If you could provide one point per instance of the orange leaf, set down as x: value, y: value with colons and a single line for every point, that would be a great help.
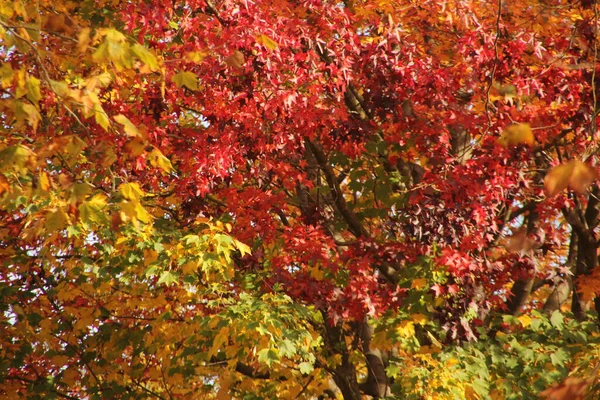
x: 4, y: 185
x: 519, y: 242
x: 517, y: 134
x: 573, y: 174
x: 582, y: 177
x: 571, y: 389
x: 236, y: 59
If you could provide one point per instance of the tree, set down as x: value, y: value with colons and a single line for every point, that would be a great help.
x: 222, y: 199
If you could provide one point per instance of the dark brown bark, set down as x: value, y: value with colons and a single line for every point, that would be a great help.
x: 354, y: 225
x: 377, y: 384
x: 344, y: 375
x: 520, y: 292
x: 584, y: 224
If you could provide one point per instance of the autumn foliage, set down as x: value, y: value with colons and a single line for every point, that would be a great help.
x: 299, y: 199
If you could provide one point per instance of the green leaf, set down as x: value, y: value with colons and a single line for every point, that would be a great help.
x: 559, y: 357
x: 481, y: 387
x: 267, y: 356
x: 557, y: 319
x: 187, y: 79
x: 286, y: 348
x: 168, y: 277
x: 191, y: 239
x: 306, y: 368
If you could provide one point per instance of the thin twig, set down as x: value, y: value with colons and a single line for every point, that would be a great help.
x: 493, y: 74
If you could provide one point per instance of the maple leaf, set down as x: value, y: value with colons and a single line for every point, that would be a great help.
x: 574, y: 174
x: 571, y: 389
x: 517, y: 134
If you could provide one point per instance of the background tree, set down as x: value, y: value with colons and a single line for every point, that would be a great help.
x: 300, y: 199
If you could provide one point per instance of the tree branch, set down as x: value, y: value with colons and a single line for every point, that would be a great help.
x: 349, y: 217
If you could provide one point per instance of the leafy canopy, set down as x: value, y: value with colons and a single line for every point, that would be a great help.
x: 299, y: 199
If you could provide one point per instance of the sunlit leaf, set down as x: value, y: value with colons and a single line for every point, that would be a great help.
x: 267, y: 42
x: 574, y: 174
x: 186, y: 79
x: 131, y: 191
x: 516, y: 134
x: 128, y: 126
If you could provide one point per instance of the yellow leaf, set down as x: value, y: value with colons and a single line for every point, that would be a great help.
x: 574, y: 174
x: 17, y: 157
x: 6, y: 75
x: 74, y: 145
x: 517, y: 134
x: 100, y: 116
x: 101, y: 52
x: 451, y: 362
x: 44, y: 181
x: 525, y: 320
x: 158, y: 160
x: 129, y: 128
x: 131, y: 191
x: 243, y: 248
x: 32, y: 115
x: 91, y: 211
x: 98, y: 81
x: 187, y: 79
x: 558, y: 178
x: 197, y: 56
x: 7, y: 9
x: 190, y: 267
x: 145, y: 56
x: 98, y: 200
x: 32, y: 86
x: 221, y: 339
x: 141, y: 214
x: 406, y: 329
x: 267, y: 42
x: 582, y: 177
